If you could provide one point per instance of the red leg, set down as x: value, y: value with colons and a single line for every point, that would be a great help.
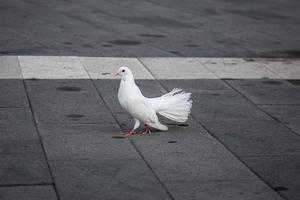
x: 129, y: 133
x: 146, y: 130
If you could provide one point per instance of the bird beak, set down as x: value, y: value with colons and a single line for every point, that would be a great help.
x: 117, y: 73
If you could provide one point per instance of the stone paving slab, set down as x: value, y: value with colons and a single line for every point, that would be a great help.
x: 174, y: 68
x: 15, y: 116
x: 222, y: 190
x: 267, y: 91
x: 237, y: 68
x: 255, y: 137
x: 21, y: 157
x: 191, y: 28
x: 82, y: 144
x: 281, y: 172
x: 85, y: 141
x: 224, y: 105
x: 289, y: 115
x: 106, y: 179
x: 184, y: 154
x: 105, y: 68
x: 51, y: 67
x: 38, y: 192
x: 71, y: 101
x: 23, y: 162
x: 12, y: 93
x: 288, y: 69
x: 192, y: 157
x: 9, y: 67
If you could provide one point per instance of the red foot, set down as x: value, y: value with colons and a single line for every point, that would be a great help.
x: 129, y: 133
x: 146, y: 130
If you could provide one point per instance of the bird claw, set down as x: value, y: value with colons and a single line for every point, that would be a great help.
x: 129, y: 133
x: 146, y: 131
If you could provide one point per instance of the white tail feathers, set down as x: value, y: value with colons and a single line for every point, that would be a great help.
x: 175, y: 105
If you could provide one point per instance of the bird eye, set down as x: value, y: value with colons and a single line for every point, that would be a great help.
x: 123, y: 70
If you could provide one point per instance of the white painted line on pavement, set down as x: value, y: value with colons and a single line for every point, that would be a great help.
x: 106, y: 67
x: 52, y: 67
x: 238, y: 68
x: 177, y: 68
x: 73, y: 67
x: 10, y: 68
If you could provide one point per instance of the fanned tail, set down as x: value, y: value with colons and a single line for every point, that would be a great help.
x: 175, y: 105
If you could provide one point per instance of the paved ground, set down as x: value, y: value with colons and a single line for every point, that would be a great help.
x: 60, y: 123
x: 214, y: 28
x: 60, y: 120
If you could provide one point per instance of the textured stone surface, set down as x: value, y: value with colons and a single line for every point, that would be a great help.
x: 28, y: 193
x: 224, y: 105
x: 281, y: 172
x: 68, y: 101
x: 289, y: 115
x: 22, y: 162
x: 85, y: 141
x: 12, y: 93
x: 222, y: 190
x: 9, y: 67
x: 107, y: 179
x: 151, y: 28
x: 106, y: 67
x: 177, y: 68
x: 255, y: 137
x: 268, y: 91
x: 52, y: 67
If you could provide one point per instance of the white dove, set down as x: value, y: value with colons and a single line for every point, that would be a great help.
x: 175, y: 105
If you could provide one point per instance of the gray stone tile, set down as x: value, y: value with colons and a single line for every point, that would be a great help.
x: 196, y: 85
x: 85, y: 141
x: 68, y: 101
x: 287, y: 114
x: 181, y: 140
x: 15, y: 116
x: 184, y: 164
x: 38, y: 192
x: 16, y: 123
x: 188, y: 153
x: 12, y: 93
x: 267, y: 91
x: 222, y: 190
x: 22, y: 162
x: 255, y: 137
x: 281, y: 172
x: 224, y: 105
x: 19, y: 132
x: 211, y: 28
x: 106, y: 179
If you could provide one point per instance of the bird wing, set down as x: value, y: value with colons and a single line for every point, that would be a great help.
x: 138, y: 108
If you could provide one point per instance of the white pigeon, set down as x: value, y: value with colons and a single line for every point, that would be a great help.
x: 175, y: 105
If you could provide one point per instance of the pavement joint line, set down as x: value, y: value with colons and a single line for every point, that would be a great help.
x: 270, y: 156
x: 256, y: 105
x: 19, y: 64
x: 26, y: 185
x: 40, y: 140
x: 206, y: 67
x: 225, y: 146
x: 244, y: 163
x: 135, y: 147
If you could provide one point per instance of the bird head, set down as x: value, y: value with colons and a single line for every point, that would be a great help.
x: 123, y: 72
